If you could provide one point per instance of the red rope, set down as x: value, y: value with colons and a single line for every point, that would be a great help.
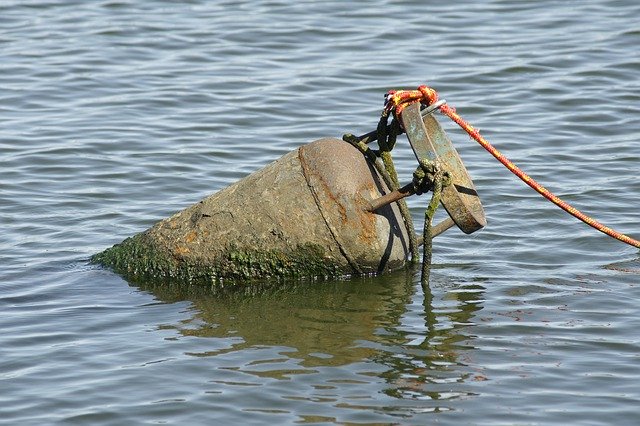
x: 396, y: 101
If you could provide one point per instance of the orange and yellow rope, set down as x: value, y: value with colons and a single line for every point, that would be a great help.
x: 396, y: 101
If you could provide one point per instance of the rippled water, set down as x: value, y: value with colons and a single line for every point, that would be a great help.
x: 115, y: 114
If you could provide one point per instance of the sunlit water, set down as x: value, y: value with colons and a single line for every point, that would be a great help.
x: 115, y: 114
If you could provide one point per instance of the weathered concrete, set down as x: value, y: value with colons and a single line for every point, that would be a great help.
x: 304, y: 215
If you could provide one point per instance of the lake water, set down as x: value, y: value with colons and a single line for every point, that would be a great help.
x: 114, y: 114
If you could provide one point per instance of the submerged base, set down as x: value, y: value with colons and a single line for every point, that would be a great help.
x: 139, y: 256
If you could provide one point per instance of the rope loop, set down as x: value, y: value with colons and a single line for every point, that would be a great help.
x: 397, y: 100
x: 382, y: 132
x: 361, y: 146
x: 440, y: 180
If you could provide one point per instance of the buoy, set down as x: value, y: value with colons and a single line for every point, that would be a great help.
x: 306, y: 214
x: 323, y: 210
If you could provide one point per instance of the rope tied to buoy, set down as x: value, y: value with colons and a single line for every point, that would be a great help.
x: 386, y: 136
x: 440, y: 180
x: 429, y: 175
x: 397, y: 100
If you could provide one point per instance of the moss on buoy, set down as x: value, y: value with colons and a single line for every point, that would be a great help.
x: 138, y: 257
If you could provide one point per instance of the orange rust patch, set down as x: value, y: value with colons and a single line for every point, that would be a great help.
x: 190, y: 237
x: 367, y: 219
x: 180, y: 250
x: 327, y: 191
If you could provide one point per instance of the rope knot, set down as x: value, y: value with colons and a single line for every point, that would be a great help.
x: 429, y: 95
x: 426, y: 174
x: 397, y: 100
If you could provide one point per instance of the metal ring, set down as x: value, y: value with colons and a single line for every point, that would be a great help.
x: 428, y: 110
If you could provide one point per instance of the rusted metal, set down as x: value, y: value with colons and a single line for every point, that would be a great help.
x: 437, y: 229
x: 343, y: 184
x: 303, y: 215
x: 391, y: 197
x: 404, y: 192
x: 322, y: 210
x: 429, y: 141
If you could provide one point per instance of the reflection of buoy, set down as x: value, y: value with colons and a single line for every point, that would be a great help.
x: 304, y: 215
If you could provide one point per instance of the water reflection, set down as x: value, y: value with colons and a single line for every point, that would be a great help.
x: 438, y: 357
x: 414, y: 345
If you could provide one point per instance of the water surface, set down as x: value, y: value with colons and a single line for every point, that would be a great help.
x: 115, y: 114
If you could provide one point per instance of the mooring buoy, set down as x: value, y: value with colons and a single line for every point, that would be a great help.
x: 304, y: 215
x: 331, y: 208
x: 327, y: 209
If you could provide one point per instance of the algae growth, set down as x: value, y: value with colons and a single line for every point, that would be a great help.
x: 139, y: 257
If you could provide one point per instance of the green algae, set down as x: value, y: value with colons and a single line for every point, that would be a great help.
x: 306, y: 261
x: 138, y: 257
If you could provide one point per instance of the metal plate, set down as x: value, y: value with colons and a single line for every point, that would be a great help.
x: 428, y: 140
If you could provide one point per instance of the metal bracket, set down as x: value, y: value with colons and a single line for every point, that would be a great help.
x: 428, y: 140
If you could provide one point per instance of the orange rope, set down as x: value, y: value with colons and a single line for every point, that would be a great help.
x: 396, y: 101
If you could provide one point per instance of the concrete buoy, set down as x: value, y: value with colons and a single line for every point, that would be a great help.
x: 304, y: 215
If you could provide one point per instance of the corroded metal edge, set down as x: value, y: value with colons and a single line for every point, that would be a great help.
x: 428, y: 140
x: 343, y: 184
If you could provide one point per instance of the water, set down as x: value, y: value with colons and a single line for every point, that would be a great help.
x: 115, y: 114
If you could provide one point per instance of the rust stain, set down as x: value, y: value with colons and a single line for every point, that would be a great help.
x: 341, y: 209
x: 359, y: 218
x: 190, y: 237
x: 180, y: 251
x: 308, y: 172
x: 367, y: 218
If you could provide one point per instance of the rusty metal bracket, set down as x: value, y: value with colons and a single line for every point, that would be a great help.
x: 429, y: 141
x: 401, y: 193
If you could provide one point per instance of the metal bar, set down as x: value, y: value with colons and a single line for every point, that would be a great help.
x: 437, y: 229
x: 391, y: 197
